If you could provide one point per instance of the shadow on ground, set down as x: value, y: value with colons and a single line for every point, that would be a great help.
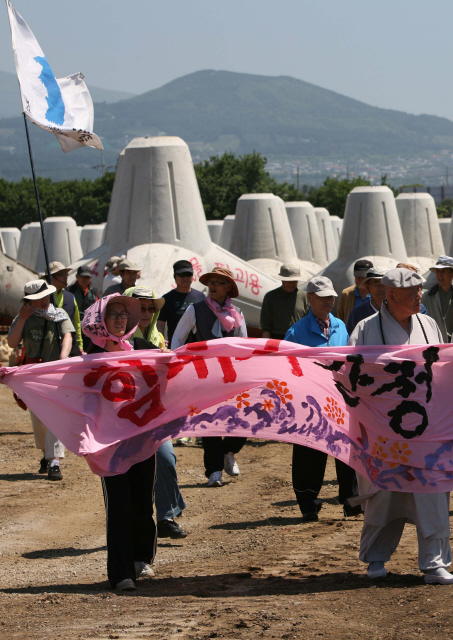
x: 60, y: 553
x: 246, y: 584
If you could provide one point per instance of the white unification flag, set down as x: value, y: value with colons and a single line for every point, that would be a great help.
x: 62, y: 106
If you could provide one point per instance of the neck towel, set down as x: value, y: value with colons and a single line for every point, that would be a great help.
x: 51, y: 313
x: 227, y: 314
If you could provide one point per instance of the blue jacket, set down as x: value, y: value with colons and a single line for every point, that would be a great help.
x: 306, y: 331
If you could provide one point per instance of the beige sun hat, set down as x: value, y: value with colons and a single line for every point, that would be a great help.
x: 56, y: 267
x: 143, y: 293
x: 128, y: 265
x: 37, y: 289
x: 288, y: 273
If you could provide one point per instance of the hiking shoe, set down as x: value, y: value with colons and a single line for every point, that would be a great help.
x: 230, y: 465
x: 310, y: 516
x: 170, y: 529
x: 349, y: 511
x: 126, y: 585
x: 438, y: 576
x: 43, y: 467
x: 183, y: 442
x: 54, y: 473
x: 143, y: 570
x: 215, y: 479
x: 377, y: 570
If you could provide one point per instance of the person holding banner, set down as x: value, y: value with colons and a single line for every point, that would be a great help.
x: 129, y: 496
x: 399, y: 322
x: 36, y: 326
x: 318, y: 329
x: 211, y: 318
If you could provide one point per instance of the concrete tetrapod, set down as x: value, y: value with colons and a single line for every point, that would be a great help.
x: 306, y: 235
x: 13, y: 276
x: 92, y: 237
x: 29, y: 244
x: 337, y: 226
x: 325, y: 229
x: 215, y: 230
x: 10, y: 238
x: 420, y: 226
x: 156, y: 217
x: 62, y: 240
x: 262, y: 234
x: 445, y: 230
x: 227, y: 232
x: 371, y: 230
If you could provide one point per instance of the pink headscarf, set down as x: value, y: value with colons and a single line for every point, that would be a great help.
x: 227, y: 314
x: 93, y: 323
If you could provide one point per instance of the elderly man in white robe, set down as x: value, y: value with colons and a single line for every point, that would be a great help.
x: 386, y: 512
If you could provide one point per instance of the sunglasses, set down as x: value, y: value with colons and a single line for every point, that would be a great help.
x: 112, y: 315
x: 216, y: 283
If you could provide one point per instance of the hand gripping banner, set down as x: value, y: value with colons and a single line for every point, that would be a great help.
x: 386, y: 411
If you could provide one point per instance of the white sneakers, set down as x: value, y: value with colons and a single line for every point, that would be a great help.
x: 438, y: 576
x: 183, y: 442
x: 376, y: 570
x: 231, y: 468
x: 126, y: 585
x: 215, y: 479
x: 143, y: 570
x: 230, y: 465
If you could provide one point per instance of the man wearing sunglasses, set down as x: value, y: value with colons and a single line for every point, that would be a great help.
x: 211, y: 318
x: 177, y: 300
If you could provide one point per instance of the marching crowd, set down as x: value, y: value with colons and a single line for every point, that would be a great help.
x: 383, y: 307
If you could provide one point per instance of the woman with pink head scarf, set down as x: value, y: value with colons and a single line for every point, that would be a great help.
x: 128, y: 497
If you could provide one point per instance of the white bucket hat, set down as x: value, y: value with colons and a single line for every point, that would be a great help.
x: 37, y: 289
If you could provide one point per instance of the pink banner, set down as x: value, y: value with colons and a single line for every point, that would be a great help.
x: 383, y: 410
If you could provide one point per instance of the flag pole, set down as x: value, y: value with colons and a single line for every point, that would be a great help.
x: 41, y: 222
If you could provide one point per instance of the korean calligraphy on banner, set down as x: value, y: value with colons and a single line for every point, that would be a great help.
x: 383, y: 410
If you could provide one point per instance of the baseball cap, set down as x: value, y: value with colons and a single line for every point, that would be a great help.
x: 84, y: 270
x: 182, y: 266
x: 361, y: 267
x: 322, y: 286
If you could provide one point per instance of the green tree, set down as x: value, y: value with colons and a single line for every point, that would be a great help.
x: 87, y: 201
x: 224, y: 179
x: 445, y: 208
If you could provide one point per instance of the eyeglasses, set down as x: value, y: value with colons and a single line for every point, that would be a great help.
x: 216, y: 283
x: 112, y: 315
x: 151, y: 309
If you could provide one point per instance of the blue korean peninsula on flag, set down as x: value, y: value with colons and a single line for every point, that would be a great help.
x: 62, y: 106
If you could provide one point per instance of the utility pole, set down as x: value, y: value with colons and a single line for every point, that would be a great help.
x: 347, y: 171
x: 446, y: 175
x: 298, y: 178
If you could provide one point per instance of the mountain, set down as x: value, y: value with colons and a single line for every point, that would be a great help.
x: 10, y: 104
x: 214, y: 111
x: 278, y: 115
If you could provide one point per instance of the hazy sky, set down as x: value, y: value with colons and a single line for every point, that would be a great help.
x: 396, y: 54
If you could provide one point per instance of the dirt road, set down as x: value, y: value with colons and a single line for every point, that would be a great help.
x: 249, y: 568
